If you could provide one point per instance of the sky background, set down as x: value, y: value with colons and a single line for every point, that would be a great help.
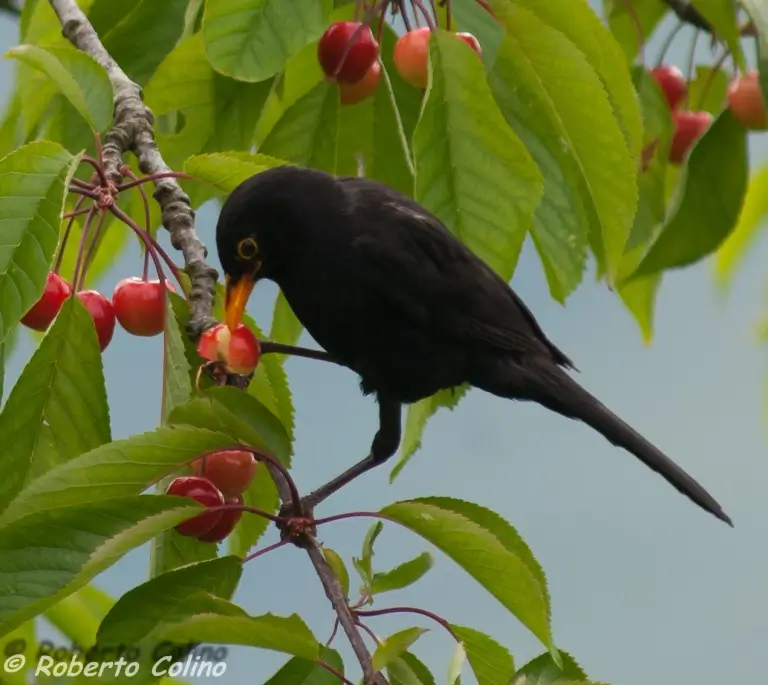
x: 645, y: 586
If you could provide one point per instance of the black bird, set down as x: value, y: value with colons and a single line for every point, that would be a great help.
x: 385, y: 288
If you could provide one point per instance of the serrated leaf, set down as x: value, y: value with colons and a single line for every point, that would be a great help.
x: 403, y: 575
x: 177, y: 381
x: 487, y: 548
x: 418, y: 414
x: 715, y: 185
x: 456, y: 663
x: 141, y: 609
x: 58, y: 408
x: 468, y: 160
x: 33, y: 183
x: 302, y: 672
x: 72, y: 545
x: 722, y: 15
x: 286, y: 328
x: 227, y: 170
x: 394, y: 646
x: 171, y: 550
x: 751, y: 221
x: 408, y: 670
x: 117, y: 469
x: 339, y: 568
x: 758, y: 12
x: 623, y: 20
x: 77, y: 75
x: 544, y: 671
x: 366, y: 559
x: 491, y: 663
x: 251, y: 40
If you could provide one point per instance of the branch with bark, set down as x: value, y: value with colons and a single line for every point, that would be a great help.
x: 133, y: 131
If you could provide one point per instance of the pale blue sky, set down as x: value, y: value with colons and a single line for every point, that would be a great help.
x: 645, y: 586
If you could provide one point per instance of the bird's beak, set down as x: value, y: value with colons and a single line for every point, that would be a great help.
x: 237, y: 294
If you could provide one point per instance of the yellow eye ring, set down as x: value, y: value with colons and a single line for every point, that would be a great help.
x: 247, y: 249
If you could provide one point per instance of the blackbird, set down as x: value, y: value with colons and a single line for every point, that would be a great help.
x: 388, y: 291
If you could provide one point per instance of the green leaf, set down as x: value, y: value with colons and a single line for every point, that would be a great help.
x: 339, y: 568
x: 302, y: 672
x: 717, y: 176
x: 623, y: 21
x: 394, y: 646
x: 544, y: 671
x: 140, y: 610
x: 307, y: 133
x: 470, y: 16
x: 758, y: 12
x: 77, y: 75
x: 177, y: 382
x: 117, y: 469
x: 751, y: 221
x: 261, y: 494
x: 403, y: 575
x: 408, y: 670
x: 21, y: 641
x: 171, y: 550
x: 286, y: 328
x: 251, y: 40
x: 416, y: 421
x: 723, y: 16
x: 456, y: 664
x: 487, y: 548
x: 468, y: 160
x: 58, y: 408
x: 72, y: 545
x: 227, y: 170
x: 77, y: 617
x: 33, y: 183
x: 708, y: 91
x: 492, y: 664
x: 364, y: 565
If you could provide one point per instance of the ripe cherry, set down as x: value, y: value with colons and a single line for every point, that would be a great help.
x: 689, y: 127
x: 352, y: 93
x: 44, y: 311
x: 231, y: 471
x: 411, y: 56
x: 203, y: 491
x: 240, y: 350
x: 229, y: 519
x: 470, y: 40
x: 103, y: 314
x: 360, y: 54
x: 746, y: 101
x: 139, y: 305
x: 672, y: 83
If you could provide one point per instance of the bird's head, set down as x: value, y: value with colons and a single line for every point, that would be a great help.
x: 262, y: 225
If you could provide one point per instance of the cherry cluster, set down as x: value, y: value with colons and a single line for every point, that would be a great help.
x: 222, y: 479
x: 745, y: 100
x: 349, y: 55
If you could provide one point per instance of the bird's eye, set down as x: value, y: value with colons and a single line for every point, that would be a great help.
x: 247, y: 249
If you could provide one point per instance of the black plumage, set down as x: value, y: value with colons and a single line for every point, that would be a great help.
x: 383, y: 286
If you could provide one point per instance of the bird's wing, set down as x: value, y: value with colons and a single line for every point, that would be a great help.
x: 408, y: 257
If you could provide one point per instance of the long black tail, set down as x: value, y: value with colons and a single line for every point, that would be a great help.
x: 550, y: 386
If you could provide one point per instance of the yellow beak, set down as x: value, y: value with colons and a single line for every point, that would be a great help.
x: 237, y: 294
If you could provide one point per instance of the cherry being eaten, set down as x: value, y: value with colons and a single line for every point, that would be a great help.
x: 238, y: 349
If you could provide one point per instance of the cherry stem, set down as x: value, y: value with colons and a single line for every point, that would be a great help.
x: 77, y: 212
x: 81, y: 247
x: 335, y: 630
x: 486, y: 7
x: 404, y: 13
x: 711, y: 79
x: 137, y: 182
x: 420, y: 6
x: 691, y: 65
x: 448, y: 21
x: 171, y: 265
x: 371, y: 634
x: 365, y: 24
x: 84, y: 191
x: 638, y: 28
x: 353, y: 515
x: 82, y: 184
x: 98, y: 168
x: 91, y: 249
x: 266, y: 550
x: 128, y: 221
x: 410, y: 610
x: 668, y: 43
x: 126, y: 171
x: 332, y: 670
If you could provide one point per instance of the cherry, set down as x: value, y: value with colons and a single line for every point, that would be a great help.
x: 140, y: 305
x: 103, y: 314
x: 231, y: 471
x: 352, y: 93
x: 229, y: 519
x: 411, y: 56
x: 240, y: 350
x: 672, y: 83
x: 44, y: 311
x: 203, y: 491
x: 470, y: 40
x: 360, y: 54
x: 689, y: 127
x: 746, y: 101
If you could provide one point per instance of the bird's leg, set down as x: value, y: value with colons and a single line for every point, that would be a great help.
x: 385, y: 444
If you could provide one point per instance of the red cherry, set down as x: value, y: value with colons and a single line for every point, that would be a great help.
x: 203, y: 491
x: 229, y: 519
x: 672, y: 83
x: 103, y: 314
x: 746, y: 101
x: 362, y: 53
x: 470, y: 40
x: 689, y: 127
x: 411, y: 57
x: 231, y: 471
x: 139, y: 306
x: 352, y: 93
x: 240, y: 350
x: 44, y: 311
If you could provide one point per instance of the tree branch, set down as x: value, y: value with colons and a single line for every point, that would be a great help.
x: 134, y: 131
x: 687, y: 13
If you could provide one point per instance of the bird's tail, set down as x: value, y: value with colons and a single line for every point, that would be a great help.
x: 550, y: 386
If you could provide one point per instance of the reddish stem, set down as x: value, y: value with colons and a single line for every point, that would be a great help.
x: 638, y: 28
x: 99, y: 168
x: 91, y: 250
x: 335, y: 630
x: 691, y: 67
x: 420, y: 6
x: 352, y: 515
x: 711, y: 79
x: 128, y: 221
x: 83, y: 184
x: 77, y: 212
x: 68, y: 230
x: 410, y: 610
x: 404, y: 13
x: 151, y: 178
x: 668, y: 43
x: 371, y: 634
x: 332, y: 670
x: 173, y: 268
x: 267, y: 549
x: 84, y: 191
x: 81, y: 247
